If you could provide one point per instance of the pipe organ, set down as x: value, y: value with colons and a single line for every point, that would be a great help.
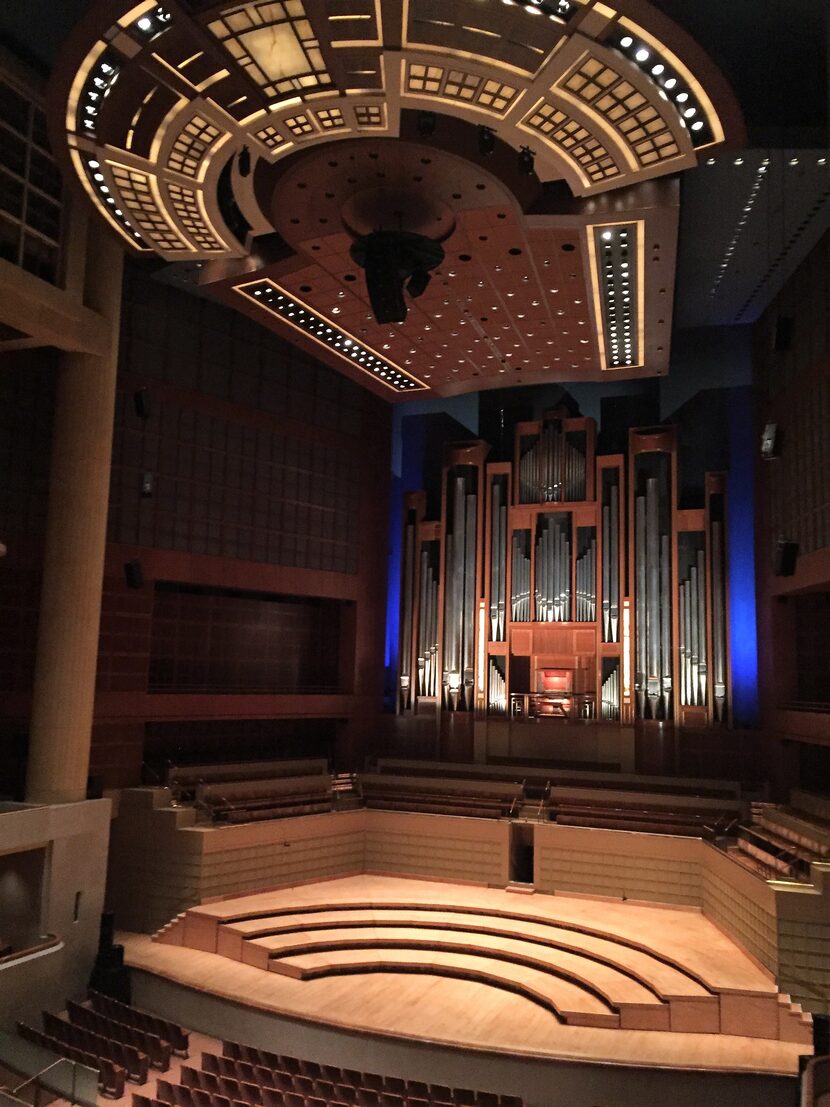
x: 563, y: 584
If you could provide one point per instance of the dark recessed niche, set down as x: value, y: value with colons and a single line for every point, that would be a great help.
x: 456, y: 196
x: 373, y: 155
x: 501, y: 215
x: 333, y: 164
x: 351, y: 180
x: 481, y: 187
x: 349, y: 277
x: 482, y: 238
x: 465, y: 257
x: 301, y: 184
x: 295, y: 220
x: 305, y: 288
x: 324, y: 220
x: 417, y: 178
x: 329, y: 195
x: 514, y: 250
x: 380, y: 174
x: 568, y: 247
x: 315, y: 246
x: 426, y: 161
x: 482, y: 318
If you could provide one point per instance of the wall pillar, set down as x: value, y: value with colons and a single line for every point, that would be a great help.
x: 70, y: 605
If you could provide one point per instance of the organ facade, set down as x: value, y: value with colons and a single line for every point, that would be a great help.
x: 566, y: 584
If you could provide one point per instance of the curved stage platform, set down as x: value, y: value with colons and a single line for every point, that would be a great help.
x: 473, y: 969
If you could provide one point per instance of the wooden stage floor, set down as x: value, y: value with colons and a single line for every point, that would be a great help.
x: 321, y: 953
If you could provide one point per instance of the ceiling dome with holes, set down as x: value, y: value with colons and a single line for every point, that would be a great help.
x: 537, y: 142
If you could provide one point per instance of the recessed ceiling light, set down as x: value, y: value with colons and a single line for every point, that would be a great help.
x: 642, y: 54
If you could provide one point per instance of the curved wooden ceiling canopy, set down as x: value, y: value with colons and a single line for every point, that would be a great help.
x: 564, y: 273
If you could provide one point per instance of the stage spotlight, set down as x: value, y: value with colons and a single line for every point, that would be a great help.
x: 486, y: 141
x: 244, y: 162
x: 417, y: 284
x: 426, y: 123
x: 526, y: 161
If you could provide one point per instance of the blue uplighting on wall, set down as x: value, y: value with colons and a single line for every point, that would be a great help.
x: 741, y: 559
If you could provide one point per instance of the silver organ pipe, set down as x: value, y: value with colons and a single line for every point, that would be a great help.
x: 458, y: 675
x: 496, y: 689
x: 553, y: 467
x: 553, y: 569
x: 498, y: 559
x: 610, y: 694
x: 613, y: 564
x: 407, y: 604
x: 653, y: 674
x: 520, y: 574
x: 640, y: 604
x: 692, y: 621
x: 428, y: 620
x: 718, y: 622
x: 586, y: 576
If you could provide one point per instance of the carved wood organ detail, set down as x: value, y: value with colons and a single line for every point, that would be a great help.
x: 566, y: 584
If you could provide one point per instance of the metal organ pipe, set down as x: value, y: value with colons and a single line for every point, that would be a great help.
x: 497, y: 690
x: 498, y: 566
x: 553, y: 468
x: 553, y: 571
x: 520, y: 571
x: 653, y: 679
x: 586, y: 579
x: 428, y: 621
x: 610, y: 695
x: 458, y: 675
x: 692, y: 626
x: 408, y: 600
x: 718, y: 622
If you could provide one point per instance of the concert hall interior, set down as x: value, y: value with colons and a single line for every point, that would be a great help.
x: 414, y: 553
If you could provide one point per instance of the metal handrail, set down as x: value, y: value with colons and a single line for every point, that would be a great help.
x: 37, y: 1076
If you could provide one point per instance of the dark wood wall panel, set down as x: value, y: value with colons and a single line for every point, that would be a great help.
x: 207, y: 640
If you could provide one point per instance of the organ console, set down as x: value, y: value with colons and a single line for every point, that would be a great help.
x: 565, y: 584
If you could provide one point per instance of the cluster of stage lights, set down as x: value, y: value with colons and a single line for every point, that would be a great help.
x: 671, y: 86
x: 152, y: 23
x: 558, y: 9
x: 349, y: 348
x: 760, y: 176
x: 98, y: 181
x: 99, y: 83
x: 617, y: 276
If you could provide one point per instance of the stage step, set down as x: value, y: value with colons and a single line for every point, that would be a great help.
x: 520, y: 888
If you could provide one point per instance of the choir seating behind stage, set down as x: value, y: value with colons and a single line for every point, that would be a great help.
x: 780, y: 842
x: 184, y: 780
x: 442, y: 795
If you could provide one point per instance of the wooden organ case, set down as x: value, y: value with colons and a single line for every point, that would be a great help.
x: 565, y: 585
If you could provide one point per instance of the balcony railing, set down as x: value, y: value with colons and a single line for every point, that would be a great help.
x: 552, y: 705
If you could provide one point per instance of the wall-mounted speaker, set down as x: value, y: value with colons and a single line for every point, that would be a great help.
x: 769, y: 442
x: 134, y: 574
x: 782, y: 338
x: 142, y: 402
x: 784, y: 558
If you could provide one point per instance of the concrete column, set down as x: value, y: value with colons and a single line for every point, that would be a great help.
x: 73, y: 566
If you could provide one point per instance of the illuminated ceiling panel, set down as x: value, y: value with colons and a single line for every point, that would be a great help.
x: 179, y: 127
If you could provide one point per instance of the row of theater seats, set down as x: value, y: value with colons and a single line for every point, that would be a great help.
x: 131, y: 1016
x: 277, y: 1081
x: 119, y: 1041
x: 111, y: 1077
x: 780, y: 842
x: 441, y: 796
x: 240, y: 1062
x: 245, y: 801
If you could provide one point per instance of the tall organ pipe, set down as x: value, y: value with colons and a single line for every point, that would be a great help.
x: 458, y: 676
x: 408, y: 600
x: 553, y: 468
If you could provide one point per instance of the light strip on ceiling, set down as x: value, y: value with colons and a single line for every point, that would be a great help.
x: 271, y: 297
x: 615, y: 251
